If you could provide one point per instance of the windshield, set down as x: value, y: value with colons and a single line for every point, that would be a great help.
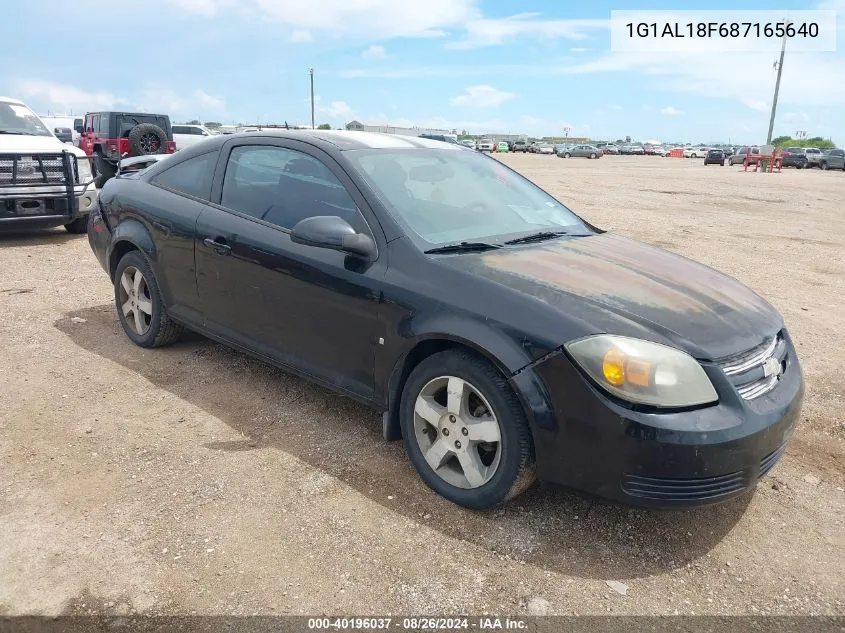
x: 18, y: 119
x: 446, y: 196
x: 128, y: 121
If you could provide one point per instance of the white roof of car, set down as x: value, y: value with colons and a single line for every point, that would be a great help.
x: 10, y: 100
x: 375, y: 140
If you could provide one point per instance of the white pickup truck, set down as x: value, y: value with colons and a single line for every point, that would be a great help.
x: 187, y: 135
x: 43, y: 181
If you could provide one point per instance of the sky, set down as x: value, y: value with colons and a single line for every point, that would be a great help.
x: 531, y: 67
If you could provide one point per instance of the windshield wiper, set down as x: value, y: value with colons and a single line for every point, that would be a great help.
x: 463, y: 247
x: 21, y: 133
x: 537, y: 237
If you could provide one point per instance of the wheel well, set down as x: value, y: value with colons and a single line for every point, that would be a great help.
x: 120, y: 249
x: 419, y: 353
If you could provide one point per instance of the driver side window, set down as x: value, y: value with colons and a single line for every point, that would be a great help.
x: 283, y: 186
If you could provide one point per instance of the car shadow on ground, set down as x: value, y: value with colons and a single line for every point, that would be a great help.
x: 13, y: 239
x: 548, y: 528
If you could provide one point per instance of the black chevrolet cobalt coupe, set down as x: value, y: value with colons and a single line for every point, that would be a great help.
x: 504, y: 338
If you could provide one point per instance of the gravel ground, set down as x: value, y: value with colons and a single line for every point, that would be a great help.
x: 195, y: 480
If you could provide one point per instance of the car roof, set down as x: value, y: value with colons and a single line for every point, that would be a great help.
x: 120, y: 112
x: 333, y: 140
x: 11, y: 100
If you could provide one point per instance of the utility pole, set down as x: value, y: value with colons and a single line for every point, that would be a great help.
x: 311, y: 72
x: 777, y: 86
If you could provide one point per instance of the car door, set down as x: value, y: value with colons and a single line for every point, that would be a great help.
x: 173, y: 204
x: 312, y: 309
x: 836, y: 159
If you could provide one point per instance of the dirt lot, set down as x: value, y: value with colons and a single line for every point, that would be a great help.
x: 194, y: 480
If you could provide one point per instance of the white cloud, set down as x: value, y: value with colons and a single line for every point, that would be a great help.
x: 615, y: 107
x: 670, y: 111
x: 812, y: 79
x: 796, y: 116
x: 756, y: 104
x: 301, y: 36
x: 578, y: 49
x: 482, y: 97
x: 370, y: 19
x: 57, y: 96
x: 374, y: 52
x: 205, y: 7
x: 197, y: 104
x: 491, y: 32
x: 334, y: 109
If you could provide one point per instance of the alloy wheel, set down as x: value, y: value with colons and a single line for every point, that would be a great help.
x: 457, y: 432
x: 135, y: 301
x: 149, y: 143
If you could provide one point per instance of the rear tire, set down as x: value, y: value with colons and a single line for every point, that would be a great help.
x: 140, y: 309
x: 105, y: 170
x: 146, y: 139
x: 78, y: 226
x: 459, y: 414
x: 567, y: 155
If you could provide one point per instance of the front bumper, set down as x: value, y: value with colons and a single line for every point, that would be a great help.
x: 587, y: 441
x: 40, y: 190
x: 43, y: 207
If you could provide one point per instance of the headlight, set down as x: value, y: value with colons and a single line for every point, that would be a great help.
x: 643, y: 372
x: 83, y: 170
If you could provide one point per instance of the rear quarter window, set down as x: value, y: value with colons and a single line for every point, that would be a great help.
x: 191, y: 177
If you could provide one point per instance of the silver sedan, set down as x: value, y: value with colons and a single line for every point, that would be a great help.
x: 582, y: 151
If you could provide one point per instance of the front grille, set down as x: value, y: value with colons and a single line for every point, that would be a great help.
x: 771, y: 459
x: 756, y: 371
x: 663, y: 489
x: 36, y: 169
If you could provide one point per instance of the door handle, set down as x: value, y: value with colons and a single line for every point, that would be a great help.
x: 221, y: 248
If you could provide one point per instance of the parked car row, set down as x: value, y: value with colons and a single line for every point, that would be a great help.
x: 798, y: 157
x: 808, y: 157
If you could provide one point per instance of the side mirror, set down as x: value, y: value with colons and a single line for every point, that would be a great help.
x: 79, y: 129
x: 330, y: 231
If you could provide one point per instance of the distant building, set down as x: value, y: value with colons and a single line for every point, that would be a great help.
x: 497, y: 138
x: 391, y: 129
x: 575, y: 140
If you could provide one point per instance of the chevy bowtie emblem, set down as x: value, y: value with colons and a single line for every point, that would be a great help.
x: 771, y: 367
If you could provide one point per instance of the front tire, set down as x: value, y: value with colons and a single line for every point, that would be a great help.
x: 105, y: 170
x: 78, y: 226
x: 139, y: 306
x: 465, y: 430
x: 592, y: 156
x: 823, y: 166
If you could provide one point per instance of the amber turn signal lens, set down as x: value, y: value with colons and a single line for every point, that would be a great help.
x: 613, y: 367
x: 638, y: 372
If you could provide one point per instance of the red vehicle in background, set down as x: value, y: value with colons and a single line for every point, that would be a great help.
x: 110, y: 136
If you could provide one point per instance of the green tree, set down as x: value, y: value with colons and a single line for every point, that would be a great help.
x: 193, y: 122
x: 213, y: 125
x: 324, y: 126
x: 815, y: 141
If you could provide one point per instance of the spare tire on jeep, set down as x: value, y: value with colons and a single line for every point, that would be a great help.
x: 146, y: 139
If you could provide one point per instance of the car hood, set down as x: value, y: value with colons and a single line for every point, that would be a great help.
x: 17, y: 143
x: 620, y: 286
